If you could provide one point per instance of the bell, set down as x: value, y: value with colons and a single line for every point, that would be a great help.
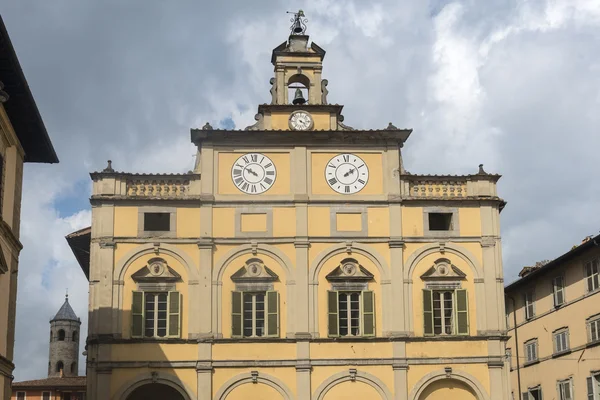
x: 297, y: 28
x: 298, y: 98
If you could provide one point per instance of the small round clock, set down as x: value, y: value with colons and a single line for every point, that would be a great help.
x: 347, y: 173
x: 301, y: 121
x: 253, y: 173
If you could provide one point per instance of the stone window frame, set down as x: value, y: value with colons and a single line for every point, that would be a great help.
x: 335, y: 210
x: 561, y: 382
x: 562, y: 290
x: 532, y: 342
x: 23, y: 393
x: 586, y: 278
x: 239, y: 211
x: 527, y: 316
x: 46, y: 393
x: 455, y: 231
x: 555, y: 336
x: 171, y: 233
x: 594, y: 319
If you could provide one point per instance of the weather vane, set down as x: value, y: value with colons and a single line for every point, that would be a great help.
x: 298, y: 22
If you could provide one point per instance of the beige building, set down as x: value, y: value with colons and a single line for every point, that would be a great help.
x: 298, y: 260
x: 23, y: 138
x: 553, y: 314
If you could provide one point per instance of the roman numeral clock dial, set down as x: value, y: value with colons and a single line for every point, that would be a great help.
x: 347, y: 173
x: 253, y: 173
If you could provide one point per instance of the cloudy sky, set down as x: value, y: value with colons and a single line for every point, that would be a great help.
x: 512, y: 84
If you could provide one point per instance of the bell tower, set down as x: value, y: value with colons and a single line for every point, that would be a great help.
x: 298, y: 66
x: 65, y: 330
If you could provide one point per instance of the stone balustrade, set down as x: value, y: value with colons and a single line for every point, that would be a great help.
x: 449, y: 187
x: 146, y: 186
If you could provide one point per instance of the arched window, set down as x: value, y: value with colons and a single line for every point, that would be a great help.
x: 75, y: 336
x: 50, y: 335
x: 74, y: 368
x: 61, y: 335
x: 297, y: 84
x: 59, y: 366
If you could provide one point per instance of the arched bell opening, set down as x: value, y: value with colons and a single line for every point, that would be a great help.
x: 155, y: 391
x: 298, y: 89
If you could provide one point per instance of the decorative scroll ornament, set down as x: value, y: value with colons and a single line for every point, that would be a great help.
x: 298, y: 22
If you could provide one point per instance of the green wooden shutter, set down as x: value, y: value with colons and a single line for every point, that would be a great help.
x: 525, y: 395
x: 368, y: 313
x: 462, y: 312
x: 272, y: 314
x: 236, y: 314
x: 427, y: 312
x: 174, y: 314
x: 137, y: 314
x: 332, y: 310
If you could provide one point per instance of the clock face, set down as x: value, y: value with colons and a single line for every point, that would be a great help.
x: 347, y: 173
x: 253, y: 173
x: 301, y: 121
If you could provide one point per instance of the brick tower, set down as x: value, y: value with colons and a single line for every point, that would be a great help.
x: 64, y: 342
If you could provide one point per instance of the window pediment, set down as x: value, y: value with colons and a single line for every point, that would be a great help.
x: 349, y: 270
x: 254, y: 271
x: 156, y: 270
x: 443, y: 269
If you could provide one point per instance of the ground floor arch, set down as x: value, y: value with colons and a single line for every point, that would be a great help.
x: 155, y: 391
x: 448, y: 389
x: 352, y: 391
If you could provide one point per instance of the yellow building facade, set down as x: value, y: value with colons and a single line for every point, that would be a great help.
x: 23, y: 138
x: 298, y: 260
x: 553, y: 316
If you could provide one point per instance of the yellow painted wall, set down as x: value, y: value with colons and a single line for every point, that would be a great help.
x: 321, y: 374
x: 250, y: 390
x: 350, y: 350
x: 255, y: 351
x: 224, y: 222
x: 225, y: 161
x: 350, y: 222
x: 412, y: 221
x: 126, y: 221
x: 469, y: 221
x: 153, y: 352
x: 479, y: 371
x: 374, y: 162
x: 251, y: 222
x: 378, y: 221
x: 449, y: 349
x: 284, y: 221
x: 280, y: 120
x: 319, y: 221
x: 188, y: 222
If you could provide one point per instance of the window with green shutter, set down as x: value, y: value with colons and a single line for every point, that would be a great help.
x: 156, y: 314
x: 255, y: 314
x: 445, y: 312
x: 350, y: 313
x: 137, y: 312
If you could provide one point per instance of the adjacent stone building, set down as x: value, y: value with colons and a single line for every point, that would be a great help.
x: 63, y: 382
x: 23, y: 138
x: 553, y: 314
x: 298, y: 260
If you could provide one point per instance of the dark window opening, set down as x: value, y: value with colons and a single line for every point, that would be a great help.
x: 75, y: 336
x: 157, y: 221
x: 440, y: 221
x: 61, y: 335
x: 59, y: 366
x: 73, y: 368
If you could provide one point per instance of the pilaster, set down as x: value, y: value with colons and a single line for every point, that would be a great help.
x: 204, y: 370
x: 103, y: 378
x: 303, y: 370
x: 400, y: 367
x: 201, y: 294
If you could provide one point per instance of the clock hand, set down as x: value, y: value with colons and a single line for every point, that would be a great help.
x: 350, y: 172
x: 252, y: 172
